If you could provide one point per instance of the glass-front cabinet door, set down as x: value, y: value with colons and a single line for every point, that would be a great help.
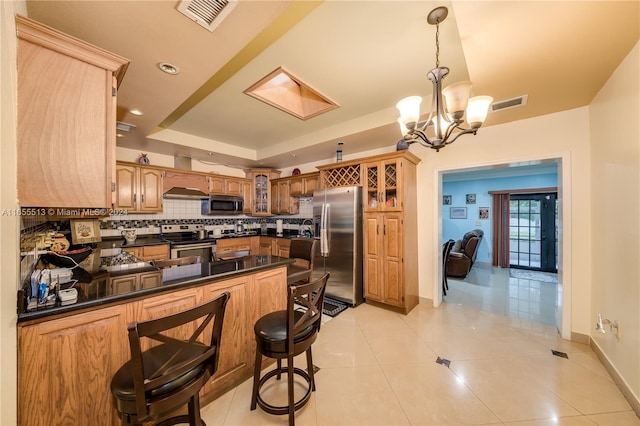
x: 261, y: 181
x: 382, y: 185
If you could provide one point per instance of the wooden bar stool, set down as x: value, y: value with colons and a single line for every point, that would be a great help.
x: 161, y: 380
x: 284, y: 335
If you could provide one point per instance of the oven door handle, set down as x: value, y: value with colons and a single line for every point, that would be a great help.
x: 192, y: 246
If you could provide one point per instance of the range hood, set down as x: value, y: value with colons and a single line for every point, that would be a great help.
x: 178, y: 193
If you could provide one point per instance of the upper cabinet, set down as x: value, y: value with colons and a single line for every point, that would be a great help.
x: 261, y: 179
x: 66, y: 119
x: 282, y: 202
x: 383, y: 185
x: 304, y: 184
x: 226, y: 185
x: 138, y: 189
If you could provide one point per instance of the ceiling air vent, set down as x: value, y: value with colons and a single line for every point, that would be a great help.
x: 207, y: 13
x: 509, y: 103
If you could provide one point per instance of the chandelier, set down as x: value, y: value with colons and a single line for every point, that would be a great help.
x: 444, y: 124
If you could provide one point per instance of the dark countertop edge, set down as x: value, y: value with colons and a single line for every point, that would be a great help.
x: 78, y: 307
x: 155, y: 239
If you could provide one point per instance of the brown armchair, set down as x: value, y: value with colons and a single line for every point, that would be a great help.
x: 463, y: 254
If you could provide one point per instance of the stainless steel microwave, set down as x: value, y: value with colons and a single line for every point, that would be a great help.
x: 220, y: 205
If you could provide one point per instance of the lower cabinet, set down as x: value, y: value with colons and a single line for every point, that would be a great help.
x: 237, y: 334
x: 65, y: 365
x: 149, y: 253
x: 250, y: 244
x: 385, y: 278
x: 266, y: 245
x: 133, y: 282
x: 275, y: 246
x: 65, y: 368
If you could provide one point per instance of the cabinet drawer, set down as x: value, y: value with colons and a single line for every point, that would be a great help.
x: 156, y: 252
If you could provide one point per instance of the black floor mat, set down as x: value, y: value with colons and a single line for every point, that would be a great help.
x: 333, y: 307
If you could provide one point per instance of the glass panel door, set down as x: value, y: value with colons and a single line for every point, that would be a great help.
x: 533, y: 232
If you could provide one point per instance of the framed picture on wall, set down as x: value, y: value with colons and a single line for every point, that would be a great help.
x: 458, y: 213
x: 483, y: 213
x: 471, y: 198
x: 446, y: 200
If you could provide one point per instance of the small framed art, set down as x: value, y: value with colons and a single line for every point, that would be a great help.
x: 85, y: 231
x: 458, y: 213
x: 471, y: 198
x: 446, y: 200
x: 483, y: 213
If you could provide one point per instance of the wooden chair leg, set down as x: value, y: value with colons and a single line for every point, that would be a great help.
x: 292, y: 401
x: 256, y: 379
x: 310, y: 369
x: 279, y: 364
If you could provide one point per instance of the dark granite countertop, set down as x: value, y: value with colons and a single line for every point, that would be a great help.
x: 155, y: 239
x: 94, y: 288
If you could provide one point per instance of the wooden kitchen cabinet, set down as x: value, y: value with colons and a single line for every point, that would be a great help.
x: 390, y: 231
x: 282, y: 247
x: 66, y: 119
x: 383, y: 254
x: 275, y: 246
x: 226, y: 185
x: 237, y: 244
x: 65, y: 368
x: 266, y: 245
x: 261, y: 179
x: 304, y: 185
x: 133, y: 282
x: 383, y: 185
x: 281, y: 200
x: 237, y: 334
x: 149, y: 253
x: 247, y: 195
x: 138, y: 189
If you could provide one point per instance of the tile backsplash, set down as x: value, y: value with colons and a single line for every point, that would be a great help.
x: 184, y: 211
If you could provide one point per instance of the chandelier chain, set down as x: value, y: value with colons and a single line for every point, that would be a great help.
x: 437, y: 45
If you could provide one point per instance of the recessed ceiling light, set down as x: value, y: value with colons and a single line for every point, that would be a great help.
x: 168, y: 68
x: 136, y: 111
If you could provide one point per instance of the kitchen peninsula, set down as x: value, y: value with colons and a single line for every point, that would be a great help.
x: 68, y: 354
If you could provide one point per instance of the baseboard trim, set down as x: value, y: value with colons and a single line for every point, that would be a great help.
x: 619, y: 381
x: 425, y: 301
x: 585, y: 339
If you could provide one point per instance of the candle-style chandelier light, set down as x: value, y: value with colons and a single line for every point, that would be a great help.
x: 448, y: 105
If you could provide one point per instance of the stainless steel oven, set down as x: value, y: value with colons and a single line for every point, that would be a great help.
x: 204, y: 250
x: 184, y: 241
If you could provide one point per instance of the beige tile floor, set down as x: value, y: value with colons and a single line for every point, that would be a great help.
x: 378, y: 368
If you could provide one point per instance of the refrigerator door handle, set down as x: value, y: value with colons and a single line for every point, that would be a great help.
x: 324, y: 240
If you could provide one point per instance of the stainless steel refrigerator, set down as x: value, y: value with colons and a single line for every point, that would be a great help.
x: 337, y: 216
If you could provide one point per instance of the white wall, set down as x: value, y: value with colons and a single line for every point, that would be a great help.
x: 9, y: 225
x: 563, y: 135
x: 615, y: 226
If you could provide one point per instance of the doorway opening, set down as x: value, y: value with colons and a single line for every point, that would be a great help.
x: 544, y: 248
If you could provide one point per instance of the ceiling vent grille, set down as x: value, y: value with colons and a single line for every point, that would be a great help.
x: 206, y: 13
x: 509, y: 103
